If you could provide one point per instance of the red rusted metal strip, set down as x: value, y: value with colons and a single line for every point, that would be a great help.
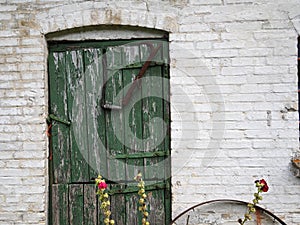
x: 258, y: 217
x: 141, y: 73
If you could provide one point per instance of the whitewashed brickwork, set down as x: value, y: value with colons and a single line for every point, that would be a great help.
x: 233, y: 68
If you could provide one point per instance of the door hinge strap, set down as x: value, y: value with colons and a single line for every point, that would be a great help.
x: 131, y: 189
x: 57, y: 119
x: 141, y: 155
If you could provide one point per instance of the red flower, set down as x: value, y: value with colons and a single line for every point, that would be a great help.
x: 102, y: 185
x: 265, y: 186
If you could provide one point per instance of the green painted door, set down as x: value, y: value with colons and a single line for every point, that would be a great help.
x: 109, y: 111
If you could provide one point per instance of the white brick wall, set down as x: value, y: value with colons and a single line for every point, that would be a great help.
x: 232, y: 62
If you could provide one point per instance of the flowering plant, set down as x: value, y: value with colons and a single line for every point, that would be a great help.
x: 103, y: 198
x: 105, y: 203
x: 142, y: 200
x: 262, y: 186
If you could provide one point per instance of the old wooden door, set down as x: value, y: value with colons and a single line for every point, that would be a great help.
x: 107, y: 120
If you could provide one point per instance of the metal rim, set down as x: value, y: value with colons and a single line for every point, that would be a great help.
x: 228, y: 200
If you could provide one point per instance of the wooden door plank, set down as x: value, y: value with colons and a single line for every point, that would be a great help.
x: 95, y: 116
x: 114, y: 118
x: 118, y: 206
x: 133, y: 217
x: 157, y: 212
x: 155, y: 170
x: 76, y: 204
x: 58, y: 107
x: 133, y: 116
x: 133, y: 124
x: 77, y: 97
x: 153, y: 132
x: 131, y: 54
x: 60, y: 208
x: 166, y: 93
x: 90, y: 205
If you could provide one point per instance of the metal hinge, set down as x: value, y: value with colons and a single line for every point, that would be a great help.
x: 52, y: 117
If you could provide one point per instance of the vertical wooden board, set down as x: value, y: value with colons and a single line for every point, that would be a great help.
x: 114, y: 118
x: 133, y: 116
x: 156, y: 200
x: 116, y: 170
x: 58, y: 107
x: 145, y: 50
x: 79, y: 131
x: 131, y: 54
x: 90, y: 205
x: 155, y: 169
x: 166, y: 106
x: 114, y: 127
x: 153, y: 133
x: 113, y: 96
x: 60, y: 204
x: 100, y: 217
x: 167, y: 199
x: 167, y: 119
x: 166, y: 110
x: 113, y: 55
x: 133, y: 216
x: 76, y: 206
x: 118, y: 207
x: 95, y: 114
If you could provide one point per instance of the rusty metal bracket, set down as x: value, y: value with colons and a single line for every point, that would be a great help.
x: 136, y: 81
x: 52, y: 117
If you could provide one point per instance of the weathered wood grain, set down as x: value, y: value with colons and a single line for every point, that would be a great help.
x: 60, y: 200
x: 90, y: 210
x: 76, y: 206
x: 76, y: 84
x: 60, y: 132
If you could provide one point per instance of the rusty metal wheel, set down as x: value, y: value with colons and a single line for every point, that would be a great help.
x: 224, y: 211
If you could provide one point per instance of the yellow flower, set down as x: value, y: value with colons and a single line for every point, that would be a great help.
x: 141, y: 201
x: 103, y: 205
x: 252, y: 210
x: 112, y: 222
x: 107, y: 213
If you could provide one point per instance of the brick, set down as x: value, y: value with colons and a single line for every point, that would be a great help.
x: 7, y: 8
x: 271, y: 70
x: 236, y: 71
x: 249, y: 61
x: 5, y: 16
x: 203, y: 2
x: 219, y: 53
